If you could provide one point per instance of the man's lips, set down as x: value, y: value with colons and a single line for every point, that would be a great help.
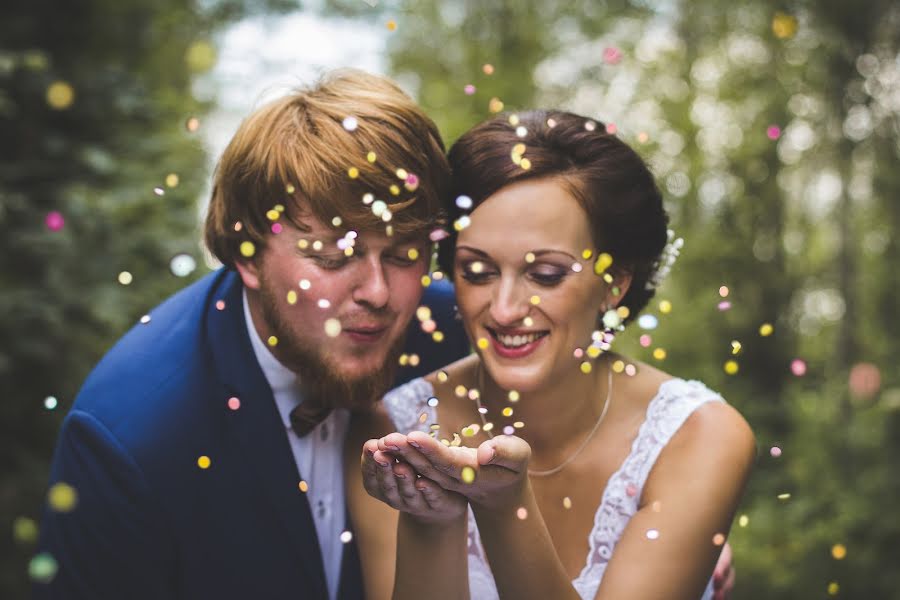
x: 365, y: 333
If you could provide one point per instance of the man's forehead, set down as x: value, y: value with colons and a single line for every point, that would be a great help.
x: 308, y: 226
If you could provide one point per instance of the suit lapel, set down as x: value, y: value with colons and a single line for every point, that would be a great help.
x: 258, y: 426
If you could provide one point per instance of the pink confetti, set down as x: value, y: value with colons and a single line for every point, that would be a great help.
x: 775, y: 451
x: 724, y: 305
x: 234, y: 403
x: 437, y: 235
x: 469, y: 89
x: 429, y: 326
x: 276, y: 227
x: 798, y: 367
x: 578, y: 353
x: 220, y: 305
x: 631, y: 490
x: 54, y: 221
x: 773, y: 132
x: 646, y: 340
x: 611, y: 128
x: 612, y: 55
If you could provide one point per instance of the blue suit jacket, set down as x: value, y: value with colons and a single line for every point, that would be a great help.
x: 149, y: 523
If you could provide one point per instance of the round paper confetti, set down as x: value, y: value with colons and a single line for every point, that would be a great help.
x: 62, y: 497
x: 469, y: 89
x: 346, y: 537
x: 659, y: 354
x: 305, y: 284
x: 323, y: 303
x: 464, y: 202
x: 665, y: 307
x: 50, y: 402
x: 204, y: 462
x: 839, y: 552
x: 350, y: 123
x: 522, y: 513
x: 718, y: 539
x: 483, y: 343
x: 303, y: 486
x: 220, y: 305
x: 54, y: 221
x: 766, y: 329
x: 775, y: 451
x: 468, y: 474
x: 773, y: 132
x: 648, y: 322
x: 145, y: 319
x: 535, y: 300
x: 567, y: 503
x: 234, y: 403
x: 332, y: 327
x: 248, y: 249
x: 652, y: 534
x: 125, y: 278
x: 798, y: 367
x: 192, y: 124
x: 272, y: 341
x: 42, y: 568
x: 723, y: 292
x: 25, y: 530
x: 731, y: 367
x: 182, y: 265
x: 488, y: 69
x: 60, y: 95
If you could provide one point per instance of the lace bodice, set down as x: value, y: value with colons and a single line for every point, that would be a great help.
x: 676, y: 399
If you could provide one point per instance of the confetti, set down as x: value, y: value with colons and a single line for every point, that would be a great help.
x: 248, y: 249
x: 350, y: 123
x: 724, y: 305
x: 204, y: 462
x: 346, y: 537
x: 766, y: 329
x: 522, y: 513
x: 391, y: 25
x: 468, y: 475
x: 784, y: 26
x: 735, y: 347
x: 586, y: 367
x: 272, y: 341
x: 42, y: 568
x: 798, y: 367
x: 125, y: 278
x: 292, y: 297
x: 303, y: 486
x: 182, y: 265
x: 603, y: 262
x: 645, y: 340
x: 305, y: 284
x: 60, y: 95
x: 234, y: 403
x: 54, y: 221
x: 192, y: 124
x: 718, y: 539
x: 50, y: 402
x: 483, y: 343
x: 488, y: 69
x: 567, y: 503
x: 652, y: 534
x: 723, y: 292
x: 743, y: 520
x: 62, y: 497
x: 172, y: 180
x: 323, y: 303
x: 731, y: 367
x: 611, y: 55
x: 775, y: 451
x: 648, y: 322
x: 665, y: 307
x: 659, y: 354
x: 535, y: 300
x: 220, y: 305
x: 332, y: 327
x: 495, y: 105
x: 25, y: 530
x: 469, y: 89
x: 838, y: 551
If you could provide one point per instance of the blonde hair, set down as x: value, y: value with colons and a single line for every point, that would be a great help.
x: 302, y: 152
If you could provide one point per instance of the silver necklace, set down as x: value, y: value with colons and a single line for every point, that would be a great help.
x: 583, y: 445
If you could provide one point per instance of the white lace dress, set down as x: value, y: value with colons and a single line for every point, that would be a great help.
x: 673, y: 403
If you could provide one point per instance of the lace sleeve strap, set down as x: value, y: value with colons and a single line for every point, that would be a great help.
x: 408, y: 406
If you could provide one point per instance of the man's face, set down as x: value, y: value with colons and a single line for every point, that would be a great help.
x: 343, y: 315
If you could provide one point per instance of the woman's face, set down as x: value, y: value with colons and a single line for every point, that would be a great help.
x: 527, y: 296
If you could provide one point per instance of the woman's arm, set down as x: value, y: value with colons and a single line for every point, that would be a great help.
x: 670, y: 546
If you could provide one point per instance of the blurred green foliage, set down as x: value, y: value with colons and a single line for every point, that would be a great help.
x: 772, y: 127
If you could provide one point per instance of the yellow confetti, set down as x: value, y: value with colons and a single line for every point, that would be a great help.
x: 442, y: 376
x: 567, y: 503
x: 593, y: 352
x: 839, y: 552
x: 735, y: 347
x: 272, y: 214
x: 468, y: 474
x: 204, y: 462
x: 586, y: 367
x: 784, y: 26
x: 766, y: 329
x: 426, y: 280
x: 618, y: 366
x: 529, y: 257
x: 665, y: 307
x: 248, y: 249
x: 62, y: 497
x: 304, y: 487
x: 125, y: 278
x: 659, y: 354
x: 833, y: 588
x: 495, y: 105
x: 731, y: 367
x: 60, y: 95
x: 371, y: 157
x: 587, y: 253
x: 353, y: 172
x: 391, y: 25
x: 483, y: 343
x: 525, y: 164
x: 513, y: 396
x: 272, y: 341
x: 292, y: 297
x: 413, y: 254
x: 508, y: 411
x: 460, y: 391
x: 438, y: 336
x: 743, y: 520
x: 423, y: 313
x: 172, y: 180
x: 535, y: 300
x: 603, y: 262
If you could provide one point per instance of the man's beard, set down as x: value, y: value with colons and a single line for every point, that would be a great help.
x: 322, y: 384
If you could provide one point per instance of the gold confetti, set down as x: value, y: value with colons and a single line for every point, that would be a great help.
x: 482, y: 343
x: 839, y: 552
x: 272, y: 341
x: 665, y: 307
x: 204, y: 462
x: 292, y: 297
x: 766, y: 329
x: 304, y: 487
x: 248, y: 249
x: 62, y: 497
x: 468, y: 475
x: 567, y: 503
x: 731, y: 367
x: 60, y: 95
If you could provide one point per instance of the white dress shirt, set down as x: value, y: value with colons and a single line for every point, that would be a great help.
x: 318, y: 456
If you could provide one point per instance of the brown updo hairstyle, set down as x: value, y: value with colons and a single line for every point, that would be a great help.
x: 609, y: 180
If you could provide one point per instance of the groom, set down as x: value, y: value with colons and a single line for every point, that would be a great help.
x: 205, y: 449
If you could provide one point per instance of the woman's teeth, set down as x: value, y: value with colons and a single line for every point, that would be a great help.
x: 515, y: 341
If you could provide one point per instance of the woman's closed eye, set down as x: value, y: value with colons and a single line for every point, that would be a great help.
x: 476, y: 271
x: 547, y: 275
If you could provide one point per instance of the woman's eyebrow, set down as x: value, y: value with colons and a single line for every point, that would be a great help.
x: 540, y: 252
x: 474, y: 251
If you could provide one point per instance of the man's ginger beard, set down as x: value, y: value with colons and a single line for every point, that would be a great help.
x: 321, y: 382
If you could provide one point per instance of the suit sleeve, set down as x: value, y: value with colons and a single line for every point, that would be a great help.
x: 113, y: 542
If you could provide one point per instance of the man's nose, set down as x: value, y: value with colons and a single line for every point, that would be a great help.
x: 372, y: 286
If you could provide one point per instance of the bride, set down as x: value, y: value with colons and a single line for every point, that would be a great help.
x: 546, y: 465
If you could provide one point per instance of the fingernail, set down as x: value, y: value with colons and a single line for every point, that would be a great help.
x: 399, y: 475
x: 383, y: 464
x: 493, y: 454
x: 413, y: 444
x: 393, y: 447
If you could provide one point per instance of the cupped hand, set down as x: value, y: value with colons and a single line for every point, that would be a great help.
x: 398, y: 485
x: 491, y: 476
x: 724, y: 574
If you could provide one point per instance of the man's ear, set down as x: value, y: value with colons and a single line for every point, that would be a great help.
x: 249, y: 273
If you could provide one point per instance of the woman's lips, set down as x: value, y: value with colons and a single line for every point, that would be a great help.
x: 517, y: 351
